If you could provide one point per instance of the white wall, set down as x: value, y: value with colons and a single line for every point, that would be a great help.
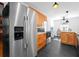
x: 74, y: 24
x: 48, y: 24
x: 57, y: 24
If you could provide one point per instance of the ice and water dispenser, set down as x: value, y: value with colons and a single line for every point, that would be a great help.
x: 18, y: 33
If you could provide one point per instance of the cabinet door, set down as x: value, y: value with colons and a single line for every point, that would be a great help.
x: 1, y: 49
x: 1, y: 37
x: 71, y: 39
x: 1, y: 18
x: 40, y: 19
x: 41, y: 41
x: 41, y: 45
x: 64, y: 38
x: 1, y: 33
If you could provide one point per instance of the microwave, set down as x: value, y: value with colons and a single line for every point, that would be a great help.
x: 40, y: 30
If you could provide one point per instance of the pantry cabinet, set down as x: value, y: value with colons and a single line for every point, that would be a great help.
x: 69, y: 38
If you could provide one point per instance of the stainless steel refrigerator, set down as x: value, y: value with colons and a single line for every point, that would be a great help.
x: 22, y: 30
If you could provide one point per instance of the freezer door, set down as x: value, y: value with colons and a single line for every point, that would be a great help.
x: 17, y: 13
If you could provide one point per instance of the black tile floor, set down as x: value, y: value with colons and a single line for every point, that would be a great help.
x: 55, y: 49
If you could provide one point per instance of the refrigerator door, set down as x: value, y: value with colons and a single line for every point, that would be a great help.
x: 31, y: 33
x: 17, y: 14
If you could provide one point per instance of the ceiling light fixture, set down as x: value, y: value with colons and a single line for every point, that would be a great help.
x: 65, y: 18
x: 55, y: 5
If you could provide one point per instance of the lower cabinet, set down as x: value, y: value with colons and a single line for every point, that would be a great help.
x: 69, y: 38
x: 41, y: 41
x: 1, y: 42
x: 1, y: 49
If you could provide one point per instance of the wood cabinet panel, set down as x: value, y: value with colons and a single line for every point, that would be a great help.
x: 40, y: 46
x: 1, y: 18
x: 1, y: 49
x: 69, y: 38
x: 41, y: 37
x: 1, y: 36
x: 65, y: 38
x: 1, y: 33
x: 40, y: 19
x: 41, y: 40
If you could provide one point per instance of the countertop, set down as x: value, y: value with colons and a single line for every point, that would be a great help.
x: 77, y: 49
x: 78, y: 39
x: 41, y: 32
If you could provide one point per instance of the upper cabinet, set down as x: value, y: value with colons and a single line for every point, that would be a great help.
x: 40, y: 18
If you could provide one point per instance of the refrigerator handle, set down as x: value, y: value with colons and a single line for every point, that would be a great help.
x: 25, y: 43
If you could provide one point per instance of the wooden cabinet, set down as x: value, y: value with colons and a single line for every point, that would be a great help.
x: 69, y: 38
x: 40, y: 18
x: 1, y: 37
x: 1, y: 33
x: 41, y: 40
x: 1, y: 49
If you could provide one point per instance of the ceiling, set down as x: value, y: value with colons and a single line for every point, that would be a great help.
x: 58, y: 13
